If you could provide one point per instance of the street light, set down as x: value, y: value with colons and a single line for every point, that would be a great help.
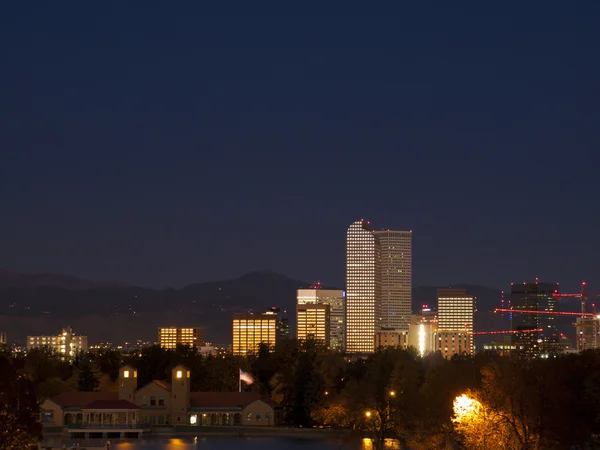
x: 368, y: 414
x: 465, y: 406
x: 392, y: 393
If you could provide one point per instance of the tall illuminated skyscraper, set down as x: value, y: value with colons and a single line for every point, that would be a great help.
x: 395, y: 278
x: 363, y: 316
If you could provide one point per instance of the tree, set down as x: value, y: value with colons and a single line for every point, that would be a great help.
x: 13, y: 436
x: 86, y: 378
x: 512, y: 391
x: 480, y: 426
x: 19, y: 409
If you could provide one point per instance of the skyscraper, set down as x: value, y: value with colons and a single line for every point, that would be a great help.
x: 395, y: 278
x: 456, y: 310
x: 335, y: 299
x: 363, y: 293
x: 534, y: 296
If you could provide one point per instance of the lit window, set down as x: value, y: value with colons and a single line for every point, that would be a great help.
x: 193, y: 419
x: 126, y: 373
x: 179, y: 374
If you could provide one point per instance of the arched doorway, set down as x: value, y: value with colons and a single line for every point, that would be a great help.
x: 237, y: 419
x: 68, y: 419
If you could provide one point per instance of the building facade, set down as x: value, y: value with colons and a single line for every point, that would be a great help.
x: 454, y: 342
x: 532, y: 297
x: 363, y: 289
x: 456, y: 312
x: 66, y: 344
x: 422, y: 333
x: 3, y: 340
x: 136, y: 410
x: 587, y: 333
x: 336, y: 300
x: 313, y: 322
x: 395, y: 252
x: 283, y: 323
x: 391, y: 338
x: 171, y: 337
x: 249, y: 330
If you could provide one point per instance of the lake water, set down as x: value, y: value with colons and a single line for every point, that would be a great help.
x: 227, y: 443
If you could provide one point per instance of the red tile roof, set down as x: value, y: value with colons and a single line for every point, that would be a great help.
x: 111, y: 404
x: 163, y: 384
x: 75, y: 399
x: 227, y: 399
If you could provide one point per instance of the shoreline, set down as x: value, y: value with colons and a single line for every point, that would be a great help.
x: 191, y: 432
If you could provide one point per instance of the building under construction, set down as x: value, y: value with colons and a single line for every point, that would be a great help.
x: 535, y: 332
x: 586, y: 332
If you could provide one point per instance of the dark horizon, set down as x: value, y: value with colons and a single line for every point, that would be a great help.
x: 162, y: 146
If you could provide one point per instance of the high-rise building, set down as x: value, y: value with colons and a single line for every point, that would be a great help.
x: 67, y: 343
x: 378, y: 284
x: 533, y: 297
x: 335, y: 298
x: 456, y: 311
x: 171, y: 337
x: 395, y: 277
x: 3, y: 340
x: 283, y: 323
x: 250, y: 330
x: 313, y: 322
x: 363, y: 290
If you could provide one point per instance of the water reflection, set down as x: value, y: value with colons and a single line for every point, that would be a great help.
x: 237, y: 443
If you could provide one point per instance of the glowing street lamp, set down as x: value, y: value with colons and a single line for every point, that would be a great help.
x: 465, y: 406
x: 368, y: 414
x: 392, y: 393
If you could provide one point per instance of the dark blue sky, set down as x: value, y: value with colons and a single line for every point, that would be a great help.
x: 167, y: 144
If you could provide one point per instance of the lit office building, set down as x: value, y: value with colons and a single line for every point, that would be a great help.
x: 363, y: 315
x: 395, y: 277
x: 171, y: 337
x: 454, y: 342
x: 533, y: 297
x: 67, y: 343
x: 336, y: 300
x: 251, y: 330
x: 456, y: 310
x: 313, y: 322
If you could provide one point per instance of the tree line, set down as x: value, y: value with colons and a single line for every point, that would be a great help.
x: 507, y: 402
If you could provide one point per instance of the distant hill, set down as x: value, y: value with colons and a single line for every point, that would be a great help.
x: 119, y: 313
x: 21, y: 280
x: 43, y: 304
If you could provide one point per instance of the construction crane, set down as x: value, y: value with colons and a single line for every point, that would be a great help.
x: 582, y: 295
x: 537, y: 330
x: 547, y: 313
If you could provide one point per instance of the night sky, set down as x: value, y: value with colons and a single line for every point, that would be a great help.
x: 169, y: 143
